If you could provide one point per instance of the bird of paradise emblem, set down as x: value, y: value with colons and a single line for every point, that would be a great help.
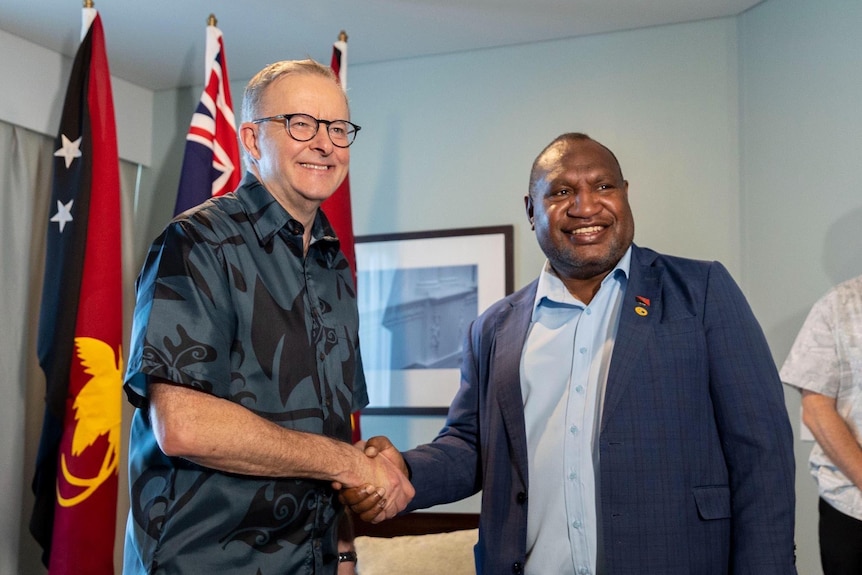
x: 97, y: 413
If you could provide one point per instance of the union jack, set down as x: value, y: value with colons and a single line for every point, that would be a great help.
x: 211, y: 165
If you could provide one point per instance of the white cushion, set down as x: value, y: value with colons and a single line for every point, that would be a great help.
x: 433, y: 554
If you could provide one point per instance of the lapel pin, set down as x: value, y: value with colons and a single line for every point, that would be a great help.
x: 642, y: 305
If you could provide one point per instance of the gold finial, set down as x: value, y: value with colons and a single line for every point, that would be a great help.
x: 342, y: 36
x: 211, y: 21
x: 88, y: 3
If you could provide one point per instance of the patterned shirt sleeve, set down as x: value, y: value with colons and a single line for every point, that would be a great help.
x: 182, y: 328
x: 813, y: 362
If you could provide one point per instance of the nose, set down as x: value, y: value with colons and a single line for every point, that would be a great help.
x: 321, y: 140
x: 583, y: 204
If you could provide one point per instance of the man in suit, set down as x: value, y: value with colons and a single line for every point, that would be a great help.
x: 621, y: 414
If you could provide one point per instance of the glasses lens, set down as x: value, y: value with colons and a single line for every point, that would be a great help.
x: 342, y: 133
x: 302, y: 127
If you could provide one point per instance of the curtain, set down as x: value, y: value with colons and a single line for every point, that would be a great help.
x: 25, y: 193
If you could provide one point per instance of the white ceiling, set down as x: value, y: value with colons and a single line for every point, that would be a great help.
x: 159, y: 44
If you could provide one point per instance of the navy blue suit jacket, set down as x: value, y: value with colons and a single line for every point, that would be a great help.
x: 697, y: 470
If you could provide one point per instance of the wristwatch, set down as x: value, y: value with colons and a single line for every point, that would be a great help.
x: 347, y: 557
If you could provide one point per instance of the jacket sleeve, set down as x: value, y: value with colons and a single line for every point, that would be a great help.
x: 755, y: 431
x: 448, y: 469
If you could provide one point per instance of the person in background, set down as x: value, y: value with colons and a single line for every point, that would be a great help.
x: 621, y: 414
x: 825, y: 364
x: 244, y: 363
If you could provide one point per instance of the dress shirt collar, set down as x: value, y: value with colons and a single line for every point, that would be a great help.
x: 551, y: 290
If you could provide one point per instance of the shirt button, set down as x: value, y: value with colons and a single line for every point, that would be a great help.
x: 573, y: 475
x: 522, y: 497
x: 579, y: 389
x: 583, y: 571
x: 517, y: 568
x: 574, y: 430
x: 576, y: 524
x: 321, y: 356
x: 588, y: 311
x: 583, y: 350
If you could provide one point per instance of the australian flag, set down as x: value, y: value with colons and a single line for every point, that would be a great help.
x: 211, y: 165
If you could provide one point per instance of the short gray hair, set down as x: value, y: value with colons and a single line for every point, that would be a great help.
x: 256, y: 87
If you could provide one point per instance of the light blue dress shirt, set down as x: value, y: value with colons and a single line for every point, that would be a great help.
x: 564, y: 369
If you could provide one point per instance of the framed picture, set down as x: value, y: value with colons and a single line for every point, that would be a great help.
x: 417, y: 294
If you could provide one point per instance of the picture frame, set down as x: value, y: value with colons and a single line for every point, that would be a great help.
x: 417, y: 294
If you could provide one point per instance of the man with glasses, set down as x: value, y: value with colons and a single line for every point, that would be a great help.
x: 244, y: 364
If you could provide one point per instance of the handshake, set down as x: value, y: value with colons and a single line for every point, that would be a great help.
x: 383, y: 489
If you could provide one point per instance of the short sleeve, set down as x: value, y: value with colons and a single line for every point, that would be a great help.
x: 813, y: 362
x: 182, y: 327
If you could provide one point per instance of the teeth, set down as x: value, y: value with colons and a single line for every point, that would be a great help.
x: 589, y: 230
x: 314, y: 166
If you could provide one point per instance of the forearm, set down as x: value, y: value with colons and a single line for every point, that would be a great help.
x: 223, y: 435
x: 833, y: 434
x: 442, y: 472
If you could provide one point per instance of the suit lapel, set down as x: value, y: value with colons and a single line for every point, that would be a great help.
x: 510, y: 334
x: 641, y: 308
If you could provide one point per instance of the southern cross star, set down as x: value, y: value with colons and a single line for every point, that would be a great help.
x: 70, y: 150
x: 63, y: 215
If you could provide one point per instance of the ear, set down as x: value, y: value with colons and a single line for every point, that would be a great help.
x: 528, y: 206
x: 248, y: 138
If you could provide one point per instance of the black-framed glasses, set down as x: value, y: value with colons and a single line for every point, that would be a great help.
x: 302, y: 128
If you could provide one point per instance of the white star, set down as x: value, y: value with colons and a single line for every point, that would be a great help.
x: 63, y: 215
x: 70, y: 150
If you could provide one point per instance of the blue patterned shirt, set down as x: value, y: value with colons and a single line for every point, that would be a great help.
x: 227, y: 304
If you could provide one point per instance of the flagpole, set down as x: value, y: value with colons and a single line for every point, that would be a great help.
x: 88, y: 14
x: 341, y: 44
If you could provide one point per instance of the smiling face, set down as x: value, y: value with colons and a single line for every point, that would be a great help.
x: 578, y: 204
x: 300, y: 175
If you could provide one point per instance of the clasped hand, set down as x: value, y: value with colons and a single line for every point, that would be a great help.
x: 388, y: 492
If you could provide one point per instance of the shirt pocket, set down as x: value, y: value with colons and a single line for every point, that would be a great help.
x: 713, y: 502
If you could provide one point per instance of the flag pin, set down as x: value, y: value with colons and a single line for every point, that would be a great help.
x: 643, y: 304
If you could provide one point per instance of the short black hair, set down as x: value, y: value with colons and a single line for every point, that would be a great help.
x: 568, y: 137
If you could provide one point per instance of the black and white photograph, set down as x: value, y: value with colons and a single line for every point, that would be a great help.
x: 417, y: 294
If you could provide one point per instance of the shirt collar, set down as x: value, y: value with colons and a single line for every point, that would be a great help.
x: 268, y: 218
x: 552, y: 290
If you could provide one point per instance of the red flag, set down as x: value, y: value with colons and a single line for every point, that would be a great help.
x: 337, y: 206
x: 80, y: 327
x: 211, y: 164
